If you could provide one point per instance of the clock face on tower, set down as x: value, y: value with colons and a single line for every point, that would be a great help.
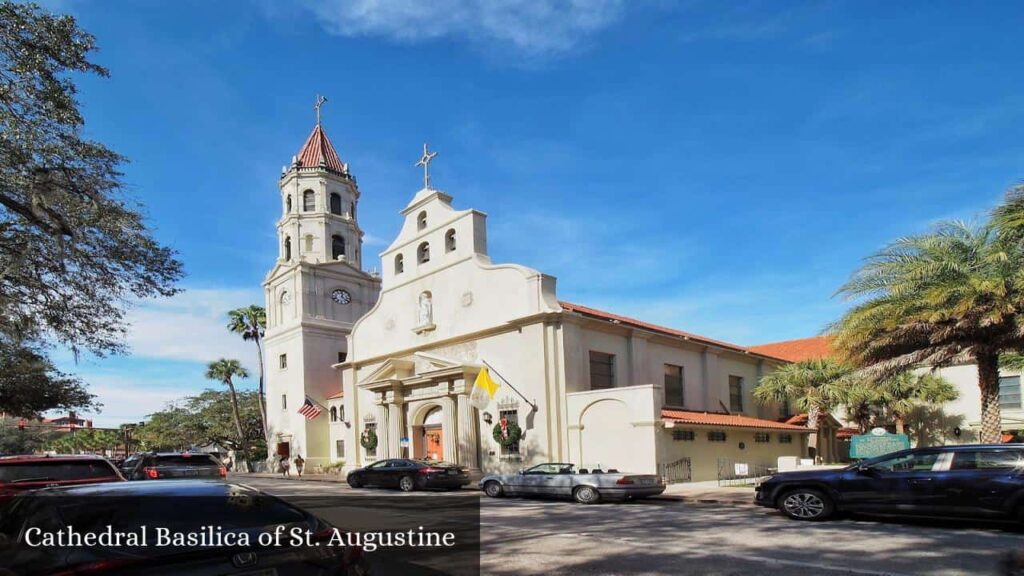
x: 341, y: 296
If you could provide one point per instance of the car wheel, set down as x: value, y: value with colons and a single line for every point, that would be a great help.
x: 806, y: 504
x: 406, y: 484
x: 493, y: 489
x: 355, y: 482
x: 586, y: 495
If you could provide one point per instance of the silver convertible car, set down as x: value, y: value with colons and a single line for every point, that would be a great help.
x: 564, y: 480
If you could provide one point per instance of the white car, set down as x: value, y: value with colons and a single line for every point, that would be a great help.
x: 561, y: 480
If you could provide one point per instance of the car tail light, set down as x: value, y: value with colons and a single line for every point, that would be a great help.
x: 151, y: 473
x: 223, y: 472
x: 625, y: 480
x: 429, y: 470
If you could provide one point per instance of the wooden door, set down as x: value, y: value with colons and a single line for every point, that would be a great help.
x: 433, y: 443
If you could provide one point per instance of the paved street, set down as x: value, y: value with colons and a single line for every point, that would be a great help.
x: 676, y: 538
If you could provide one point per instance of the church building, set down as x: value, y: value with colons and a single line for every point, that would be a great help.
x: 362, y: 368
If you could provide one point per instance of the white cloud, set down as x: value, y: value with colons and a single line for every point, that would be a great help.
x: 191, y: 326
x: 129, y: 400
x: 530, y: 27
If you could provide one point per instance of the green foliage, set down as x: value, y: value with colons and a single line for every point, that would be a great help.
x: 202, y: 419
x: 73, y: 250
x: 250, y: 323
x: 30, y: 384
x: 29, y: 440
x: 816, y: 385
x: 85, y: 440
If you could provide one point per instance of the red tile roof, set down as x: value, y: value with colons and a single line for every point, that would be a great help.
x: 797, y: 350
x: 847, y: 433
x: 625, y: 320
x: 727, y: 420
x: 318, y: 150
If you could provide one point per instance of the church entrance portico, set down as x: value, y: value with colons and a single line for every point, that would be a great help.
x: 430, y: 408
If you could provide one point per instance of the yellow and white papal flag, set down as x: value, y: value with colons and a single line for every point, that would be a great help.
x: 483, y: 390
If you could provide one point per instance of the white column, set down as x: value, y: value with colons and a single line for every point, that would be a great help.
x: 468, y: 445
x: 450, y: 441
x: 394, y: 430
x: 383, y: 429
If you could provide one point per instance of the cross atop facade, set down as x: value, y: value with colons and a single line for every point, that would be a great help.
x: 425, y: 162
x: 320, y: 100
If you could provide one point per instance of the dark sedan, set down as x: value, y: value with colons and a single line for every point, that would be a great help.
x: 408, y: 475
x: 217, y: 513
x: 21, y: 473
x: 981, y: 481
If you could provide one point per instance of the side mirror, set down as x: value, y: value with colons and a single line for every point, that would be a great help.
x: 862, y: 469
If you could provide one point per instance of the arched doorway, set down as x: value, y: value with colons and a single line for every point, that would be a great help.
x: 431, y: 441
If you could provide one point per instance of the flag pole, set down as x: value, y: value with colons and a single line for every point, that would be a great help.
x: 532, y: 404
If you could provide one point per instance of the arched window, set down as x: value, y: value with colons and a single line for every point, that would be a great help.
x: 288, y: 204
x: 421, y: 220
x: 287, y: 248
x: 334, y: 414
x: 423, y: 253
x: 336, y: 204
x: 308, y: 201
x: 337, y: 247
x: 449, y: 241
x: 399, y: 264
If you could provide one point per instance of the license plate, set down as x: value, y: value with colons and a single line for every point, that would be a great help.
x: 647, y: 481
x: 453, y: 472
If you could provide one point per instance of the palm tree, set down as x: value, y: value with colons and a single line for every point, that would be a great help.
x: 952, y: 295
x: 251, y: 323
x: 816, y: 386
x: 224, y: 371
x: 901, y: 393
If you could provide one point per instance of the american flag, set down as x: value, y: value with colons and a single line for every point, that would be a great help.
x: 310, y: 409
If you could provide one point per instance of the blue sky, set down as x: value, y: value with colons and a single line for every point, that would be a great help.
x: 717, y: 167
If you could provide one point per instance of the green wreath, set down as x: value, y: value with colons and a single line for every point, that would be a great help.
x: 515, y: 434
x: 369, y: 439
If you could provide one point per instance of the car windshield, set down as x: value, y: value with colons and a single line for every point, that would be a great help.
x: 55, y: 471
x: 551, y: 469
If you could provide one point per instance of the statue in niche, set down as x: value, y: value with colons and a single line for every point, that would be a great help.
x: 426, y: 311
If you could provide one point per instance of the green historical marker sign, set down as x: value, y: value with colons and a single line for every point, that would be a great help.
x: 877, y: 443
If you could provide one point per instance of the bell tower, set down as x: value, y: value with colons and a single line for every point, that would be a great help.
x: 314, y: 293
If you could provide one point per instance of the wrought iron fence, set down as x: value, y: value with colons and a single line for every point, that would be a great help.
x: 734, y: 472
x: 676, y: 472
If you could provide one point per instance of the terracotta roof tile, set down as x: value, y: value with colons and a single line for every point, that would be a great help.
x: 728, y: 420
x: 318, y: 150
x: 625, y: 320
x: 797, y: 350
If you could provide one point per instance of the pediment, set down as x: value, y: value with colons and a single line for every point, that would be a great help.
x: 417, y: 364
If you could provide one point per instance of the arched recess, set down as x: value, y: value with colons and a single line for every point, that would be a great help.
x: 606, y: 434
x: 428, y: 433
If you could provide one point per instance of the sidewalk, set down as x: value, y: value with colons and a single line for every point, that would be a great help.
x: 699, y: 492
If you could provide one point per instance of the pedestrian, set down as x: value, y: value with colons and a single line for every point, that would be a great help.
x: 285, y: 466
x: 299, y: 463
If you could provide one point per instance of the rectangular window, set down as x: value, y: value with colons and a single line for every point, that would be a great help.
x: 511, y: 451
x: 762, y: 437
x: 284, y: 401
x: 342, y: 356
x: 988, y: 460
x: 602, y: 370
x: 1009, y: 392
x: 716, y: 436
x: 282, y: 361
x: 674, y: 385
x: 683, y: 435
x: 735, y: 394
x: 339, y: 448
x: 785, y: 438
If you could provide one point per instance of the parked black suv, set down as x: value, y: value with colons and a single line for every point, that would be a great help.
x: 173, y: 466
x: 984, y: 481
